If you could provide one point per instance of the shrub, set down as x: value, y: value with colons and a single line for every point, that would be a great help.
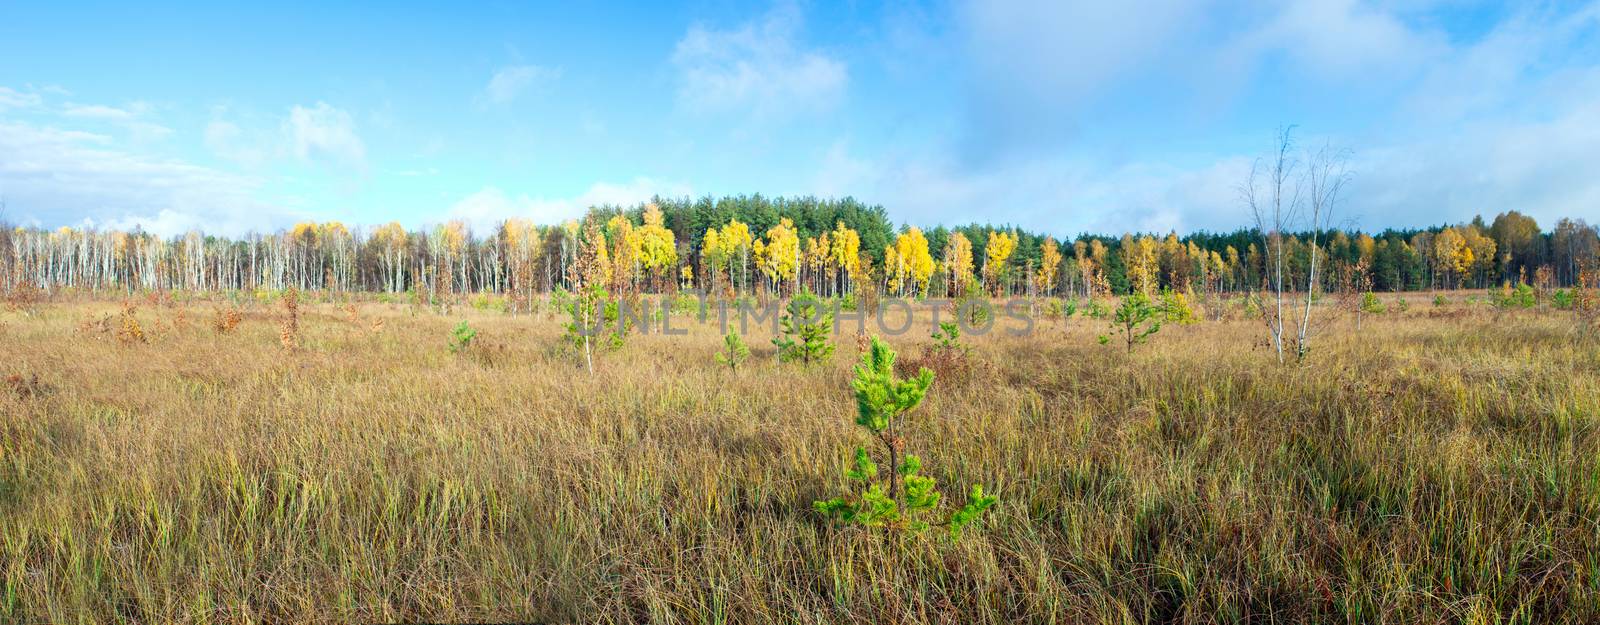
x: 734, y: 351
x: 1520, y: 297
x: 1440, y: 300
x: 969, y: 302
x: 947, y: 357
x: 1056, y: 309
x: 25, y: 298
x: 1562, y: 299
x: 1098, y: 310
x: 948, y: 337
x: 226, y: 320
x: 805, y: 325
x: 289, y: 329
x: 1370, y: 304
x: 1135, y: 319
x: 1175, y: 308
x: 490, y: 303
x: 461, y: 337
x: 593, y: 315
x: 129, y: 331
x: 906, y: 498
x: 27, y: 387
x: 1400, y: 305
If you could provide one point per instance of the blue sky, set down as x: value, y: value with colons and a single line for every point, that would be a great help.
x: 1058, y: 116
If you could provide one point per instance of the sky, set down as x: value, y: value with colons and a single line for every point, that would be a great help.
x: 1054, y: 115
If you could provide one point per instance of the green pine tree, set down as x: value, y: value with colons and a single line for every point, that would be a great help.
x: 905, y: 498
x: 734, y: 351
x: 806, y: 326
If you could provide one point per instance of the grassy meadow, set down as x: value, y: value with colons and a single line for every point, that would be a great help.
x: 1440, y: 465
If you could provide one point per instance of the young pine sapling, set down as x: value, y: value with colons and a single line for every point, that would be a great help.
x: 948, y: 338
x: 906, y: 498
x: 805, y: 326
x: 734, y: 351
x: 461, y: 337
x: 1135, y: 319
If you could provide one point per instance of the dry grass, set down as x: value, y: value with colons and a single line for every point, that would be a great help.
x: 1433, y: 469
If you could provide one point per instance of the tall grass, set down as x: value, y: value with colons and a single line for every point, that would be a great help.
x: 1427, y: 469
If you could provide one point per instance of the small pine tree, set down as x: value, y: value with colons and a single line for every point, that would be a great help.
x: 905, y: 498
x: 1520, y: 297
x: 461, y: 337
x: 1370, y: 305
x: 969, y: 301
x: 948, y: 338
x: 1135, y: 319
x: 805, y: 326
x: 734, y: 351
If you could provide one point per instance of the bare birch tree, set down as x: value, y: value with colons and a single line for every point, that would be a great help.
x: 1274, y: 209
x: 1283, y: 193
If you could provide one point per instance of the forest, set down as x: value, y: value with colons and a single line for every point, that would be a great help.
x: 751, y: 243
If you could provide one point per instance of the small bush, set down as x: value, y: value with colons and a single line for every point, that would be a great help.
x: 1370, y: 304
x: 225, y: 320
x: 1175, y: 308
x: 289, y: 329
x: 490, y: 303
x: 461, y: 337
x: 1522, y: 296
x: 129, y: 330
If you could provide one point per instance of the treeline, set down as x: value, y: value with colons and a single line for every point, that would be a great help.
x: 748, y: 244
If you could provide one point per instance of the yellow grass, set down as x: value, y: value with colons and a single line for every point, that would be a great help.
x: 1442, y: 466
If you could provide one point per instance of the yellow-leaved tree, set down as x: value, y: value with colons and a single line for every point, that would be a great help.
x: 1452, y: 255
x: 658, y: 248
x: 957, y: 263
x: 912, y: 265
x: 781, y: 258
x: 736, y: 244
x: 995, y: 254
x: 626, y: 254
x: 1139, y: 256
x: 1049, y: 266
x: 845, y: 255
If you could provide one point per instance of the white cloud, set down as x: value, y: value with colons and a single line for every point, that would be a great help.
x: 13, y: 99
x: 510, y: 82
x: 132, y: 118
x: 758, y: 68
x: 55, y: 177
x: 222, y: 137
x: 98, y: 111
x: 325, y: 133
x: 487, y: 207
x: 1348, y: 39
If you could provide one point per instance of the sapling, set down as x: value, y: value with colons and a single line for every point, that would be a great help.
x: 904, y: 499
x: 1175, y: 308
x: 734, y: 351
x: 1135, y: 319
x: 461, y: 337
x: 1369, y: 306
x: 805, y: 326
x: 593, y: 317
x: 948, y: 337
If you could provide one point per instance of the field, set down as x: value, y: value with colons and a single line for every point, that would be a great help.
x: 1439, y: 465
